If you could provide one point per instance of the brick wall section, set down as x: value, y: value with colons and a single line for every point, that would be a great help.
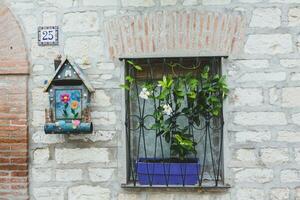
x: 13, y: 109
x: 175, y: 32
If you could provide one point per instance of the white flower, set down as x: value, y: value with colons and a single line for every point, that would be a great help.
x: 144, y: 93
x: 167, y: 109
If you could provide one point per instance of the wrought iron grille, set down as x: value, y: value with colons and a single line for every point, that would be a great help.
x: 144, y: 142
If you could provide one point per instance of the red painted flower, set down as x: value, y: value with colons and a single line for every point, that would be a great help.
x: 65, y: 98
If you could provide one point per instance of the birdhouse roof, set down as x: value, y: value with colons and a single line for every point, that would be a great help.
x: 75, y: 67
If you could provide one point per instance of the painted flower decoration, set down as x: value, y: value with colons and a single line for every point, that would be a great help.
x: 65, y: 98
x: 144, y: 94
x: 74, y: 105
x: 167, y: 109
x: 75, y: 123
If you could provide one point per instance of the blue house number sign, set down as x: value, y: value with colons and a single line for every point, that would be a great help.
x: 47, y: 35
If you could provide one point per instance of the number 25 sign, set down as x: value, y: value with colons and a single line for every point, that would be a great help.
x: 47, y: 35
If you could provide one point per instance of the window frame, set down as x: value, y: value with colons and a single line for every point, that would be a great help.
x: 124, y: 147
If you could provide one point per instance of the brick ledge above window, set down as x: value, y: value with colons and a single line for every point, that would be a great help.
x: 174, y: 32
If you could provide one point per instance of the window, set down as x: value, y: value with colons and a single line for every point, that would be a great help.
x: 173, y: 138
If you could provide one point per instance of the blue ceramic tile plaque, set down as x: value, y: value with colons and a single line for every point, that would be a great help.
x: 48, y: 35
x: 68, y: 104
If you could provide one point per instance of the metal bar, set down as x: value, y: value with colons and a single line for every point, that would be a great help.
x: 143, y: 130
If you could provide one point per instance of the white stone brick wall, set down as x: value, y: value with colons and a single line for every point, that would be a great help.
x: 262, y: 111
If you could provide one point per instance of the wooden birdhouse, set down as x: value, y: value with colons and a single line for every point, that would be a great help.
x: 69, y: 96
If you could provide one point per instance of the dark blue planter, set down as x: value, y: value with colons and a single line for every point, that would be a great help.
x: 159, y: 173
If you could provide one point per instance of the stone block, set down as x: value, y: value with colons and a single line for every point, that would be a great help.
x: 290, y: 63
x: 59, y: 3
x: 271, y: 44
x: 215, y: 2
x: 88, y: 192
x: 252, y: 136
x: 38, y: 118
x: 102, y: 98
x: 254, y: 175
x: 296, y: 118
x: 97, y: 136
x: 288, y: 136
x: 294, y: 16
x: 100, y: 174
x: 189, y: 2
x: 41, y: 137
x: 290, y: 175
x: 274, y: 96
x: 81, y: 155
x: 41, y: 156
x: 279, y: 194
x: 104, y: 118
x: 250, y: 1
x: 250, y: 193
x: 246, y: 155
x: 251, y: 64
x: 167, y: 2
x: 128, y: 196
x: 138, y: 3
x: 274, y: 155
x: 46, y: 193
x: 291, y: 97
x: 80, y: 22
x: 260, y: 118
x: 262, y: 77
x: 266, y: 17
x: 49, y: 18
x: 247, y: 97
x: 41, y: 174
x: 100, y: 2
x: 83, y: 47
x: 68, y: 175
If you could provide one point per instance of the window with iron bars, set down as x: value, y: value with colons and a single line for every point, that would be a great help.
x: 170, y: 145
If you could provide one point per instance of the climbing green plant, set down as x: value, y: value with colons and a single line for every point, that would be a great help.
x: 193, y: 95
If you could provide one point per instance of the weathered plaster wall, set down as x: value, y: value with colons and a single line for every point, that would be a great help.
x: 262, y: 112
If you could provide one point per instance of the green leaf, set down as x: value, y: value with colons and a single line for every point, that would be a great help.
x: 137, y: 67
x: 179, y: 93
x: 125, y: 86
x: 215, y: 112
x: 164, y: 79
x: 193, y: 83
x: 169, y: 84
x: 163, y: 95
x: 129, y: 79
x: 192, y: 95
x: 65, y: 113
x: 156, y: 126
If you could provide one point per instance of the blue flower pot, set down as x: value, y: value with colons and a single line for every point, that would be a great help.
x: 154, y: 172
